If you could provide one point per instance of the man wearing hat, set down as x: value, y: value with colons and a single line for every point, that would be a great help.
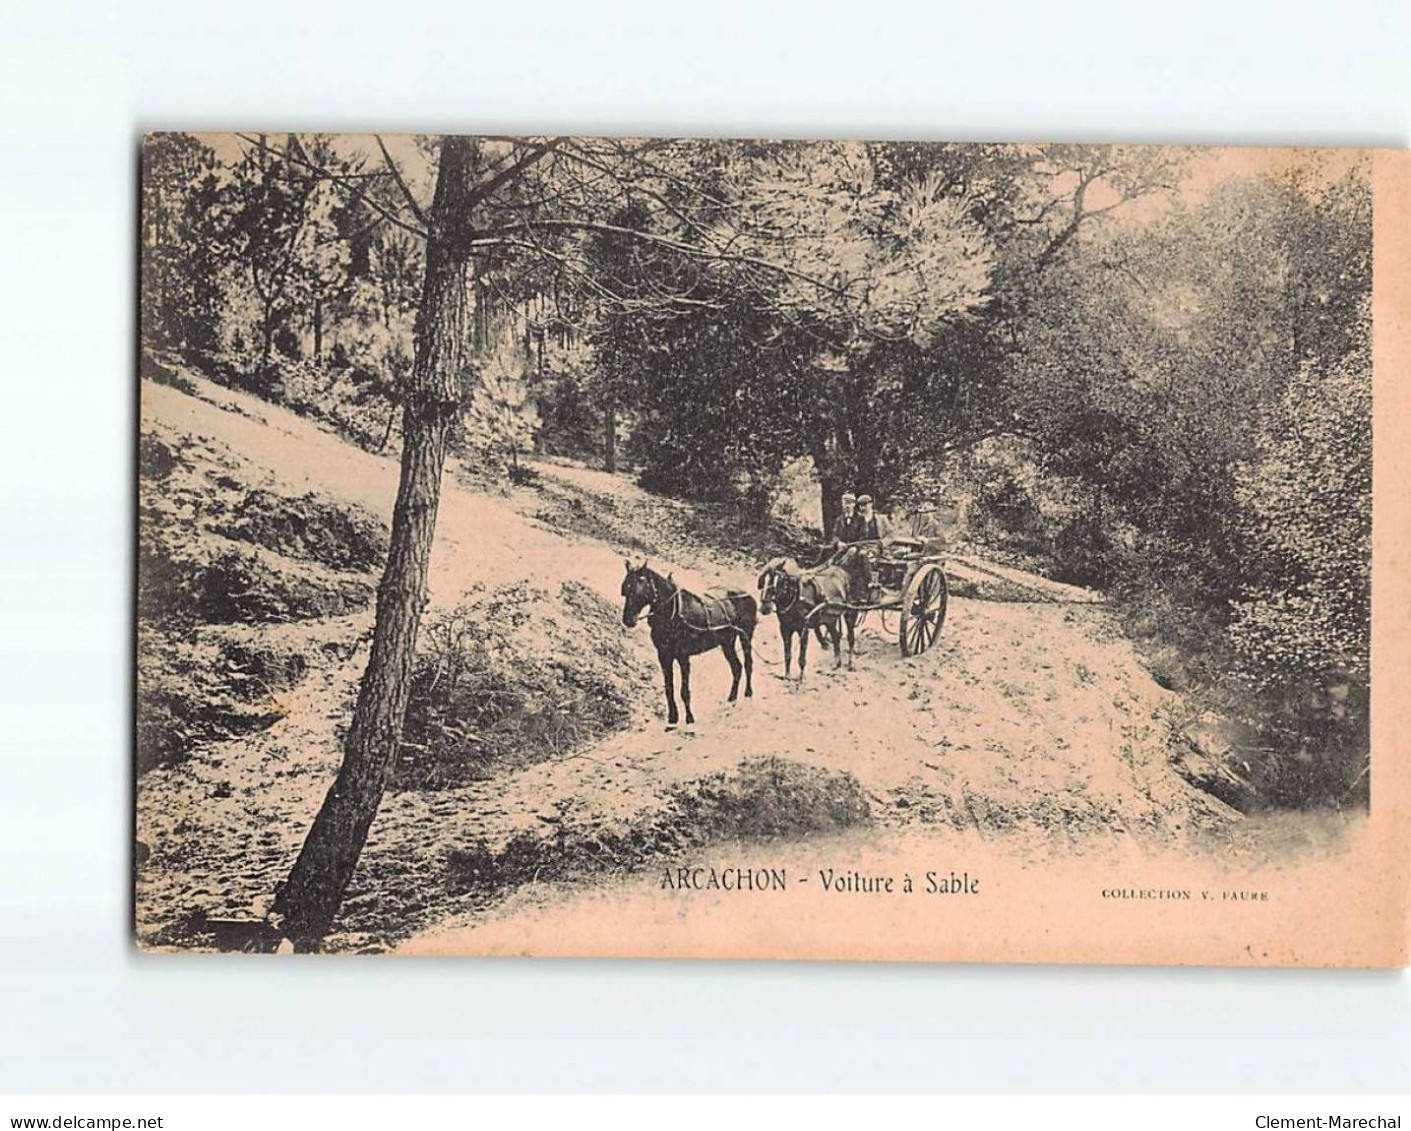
x: 871, y: 525
x: 846, y: 527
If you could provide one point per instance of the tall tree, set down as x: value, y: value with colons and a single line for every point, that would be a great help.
x: 935, y: 253
x: 307, y: 902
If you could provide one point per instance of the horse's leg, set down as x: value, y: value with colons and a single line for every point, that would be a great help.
x: 835, y: 636
x: 788, y: 637
x: 803, y: 651
x: 685, y: 662
x: 728, y: 647
x: 747, y: 641
x: 851, y: 619
x: 668, y: 678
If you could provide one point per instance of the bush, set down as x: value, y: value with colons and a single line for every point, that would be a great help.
x: 167, y: 578
x: 238, y: 587
x: 772, y: 797
x: 311, y: 527
x: 1084, y: 552
x: 499, y: 418
x: 1308, y: 517
x: 206, y: 690
x: 164, y: 374
x: 358, y: 401
x: 512, y: 676
x: 1302, y: 632
x: 1043, y: 520
x: 155, y: 459
x: 761, y: 799
x: 180, y: 586
x: 572, y: 425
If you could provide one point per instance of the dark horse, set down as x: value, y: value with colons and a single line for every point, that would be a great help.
x: 810, y: 599
x: 685, y: 625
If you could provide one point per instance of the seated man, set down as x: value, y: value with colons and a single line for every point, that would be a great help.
x: 872, y: 526
x: 845, y: 526
x: 932, y: 525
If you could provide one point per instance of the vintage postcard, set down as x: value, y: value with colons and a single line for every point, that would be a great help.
x: 773, y: 549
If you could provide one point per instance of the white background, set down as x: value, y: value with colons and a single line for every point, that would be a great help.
x: 79, y: 82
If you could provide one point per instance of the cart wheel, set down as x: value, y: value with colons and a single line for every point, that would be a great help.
x: 923, y: 609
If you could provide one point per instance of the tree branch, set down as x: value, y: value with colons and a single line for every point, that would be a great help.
x: 356, y: 192
x: 401, y: 184
x: 487, y: 188
x: 488, y: 236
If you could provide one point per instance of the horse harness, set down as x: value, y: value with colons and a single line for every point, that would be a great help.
x: 798, y: 593
x: 675, y: 612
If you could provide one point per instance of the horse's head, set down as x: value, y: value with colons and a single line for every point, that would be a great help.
x: 778, y: 585
x: 638, y: 591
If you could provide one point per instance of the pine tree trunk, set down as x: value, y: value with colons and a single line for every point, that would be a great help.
x: 387, y: 432
x: 610, y: 437
x: 828, y: 490
x: 308, y: 901
x: 267, y: 342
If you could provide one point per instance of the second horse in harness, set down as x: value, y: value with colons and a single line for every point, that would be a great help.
x: 824, y: 598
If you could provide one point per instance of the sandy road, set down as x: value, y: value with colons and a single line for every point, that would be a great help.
x: 1033, y: 723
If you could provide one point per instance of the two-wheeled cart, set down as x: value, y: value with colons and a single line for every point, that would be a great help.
x: 909, y: 580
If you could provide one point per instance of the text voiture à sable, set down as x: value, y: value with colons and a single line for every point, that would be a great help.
x: 850, y: 882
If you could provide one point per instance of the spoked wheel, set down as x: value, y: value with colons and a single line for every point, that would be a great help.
x: 923, y: 609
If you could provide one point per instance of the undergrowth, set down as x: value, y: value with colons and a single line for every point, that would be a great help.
x: 511, y: 676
